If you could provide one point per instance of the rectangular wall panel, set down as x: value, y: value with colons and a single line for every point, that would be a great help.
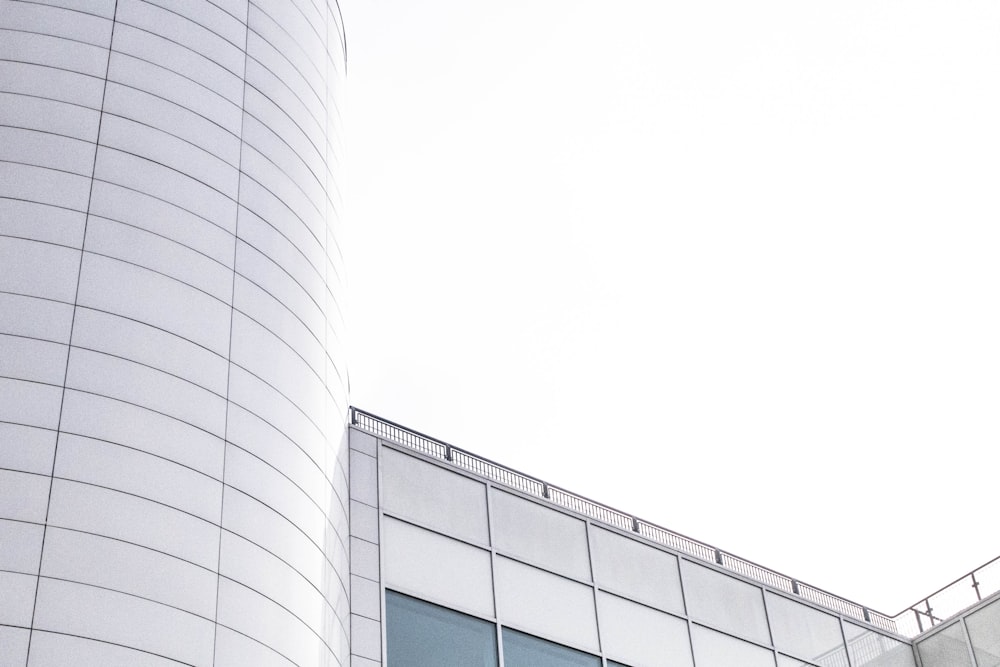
x: 715, y: 649
x: 415, y: 561
x: 539, y: 535
x: 637, y: 571
x: 434, y: 497
x: 638, y: 635
x: 725, y: 602
x: 550, y: 606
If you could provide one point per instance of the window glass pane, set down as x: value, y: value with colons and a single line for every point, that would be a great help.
x: 872, y: 649
x: 946, y: 648
x: 521, y: 650
x: 419, y: 634
x: 984, y: 630
x: 805, y: 632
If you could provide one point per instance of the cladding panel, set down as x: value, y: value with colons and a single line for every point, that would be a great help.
x: 434, y: 497
x: 638, y: 635
x: 117, y: 618
x: 725, y: 602
x: 49, y: 648
x: 539, y: 535
x: 535, y: 601
x: 26, y: 448
x: 13, y: 645
x: 637, y: 571
x: 714, y: 649
x: 118, y: 565
x: 41, y: 222
x: 21, y: 546
x: 412, y: 559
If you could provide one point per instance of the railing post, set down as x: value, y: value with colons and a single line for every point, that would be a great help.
x: 447, y: 453
x: 545, y: 490
x: 920, y: 624
x: 718, y: 557
x: 975, y: 585
x: 867, y: 614
x: 795, y: 587
x: 635, y: 524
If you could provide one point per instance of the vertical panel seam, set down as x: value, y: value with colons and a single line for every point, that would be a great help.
x: 69, y: 346
x: 229, y: 360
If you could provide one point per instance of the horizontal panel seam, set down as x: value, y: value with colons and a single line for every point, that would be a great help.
x: 104, y: 641
x: 68, y: 9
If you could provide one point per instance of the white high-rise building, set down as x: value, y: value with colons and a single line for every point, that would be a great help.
x: 173, y: 392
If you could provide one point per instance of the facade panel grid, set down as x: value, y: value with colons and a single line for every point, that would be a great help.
x: 167, y: 476
x: 543, y: 594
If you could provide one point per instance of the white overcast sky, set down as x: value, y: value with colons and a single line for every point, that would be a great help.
x: 729, y: 266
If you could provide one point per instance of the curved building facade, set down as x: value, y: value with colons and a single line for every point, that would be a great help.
x: 173, y: 394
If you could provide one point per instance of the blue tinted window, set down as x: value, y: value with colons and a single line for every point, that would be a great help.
x: 521, y: 650
x: 420, y: 634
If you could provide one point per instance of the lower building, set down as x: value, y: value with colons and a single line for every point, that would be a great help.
x: 457, y: 561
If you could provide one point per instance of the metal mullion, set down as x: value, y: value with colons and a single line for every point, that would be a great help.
x: 493, y: 572
x: 968, y: 641
x: 595, y: 590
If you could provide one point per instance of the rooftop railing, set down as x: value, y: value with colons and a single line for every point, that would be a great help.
x: 402, y: 435
x: 948, y: 601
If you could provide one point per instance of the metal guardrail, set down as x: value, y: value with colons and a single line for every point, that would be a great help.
x: 608, y: 515
x: 949, y: 601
